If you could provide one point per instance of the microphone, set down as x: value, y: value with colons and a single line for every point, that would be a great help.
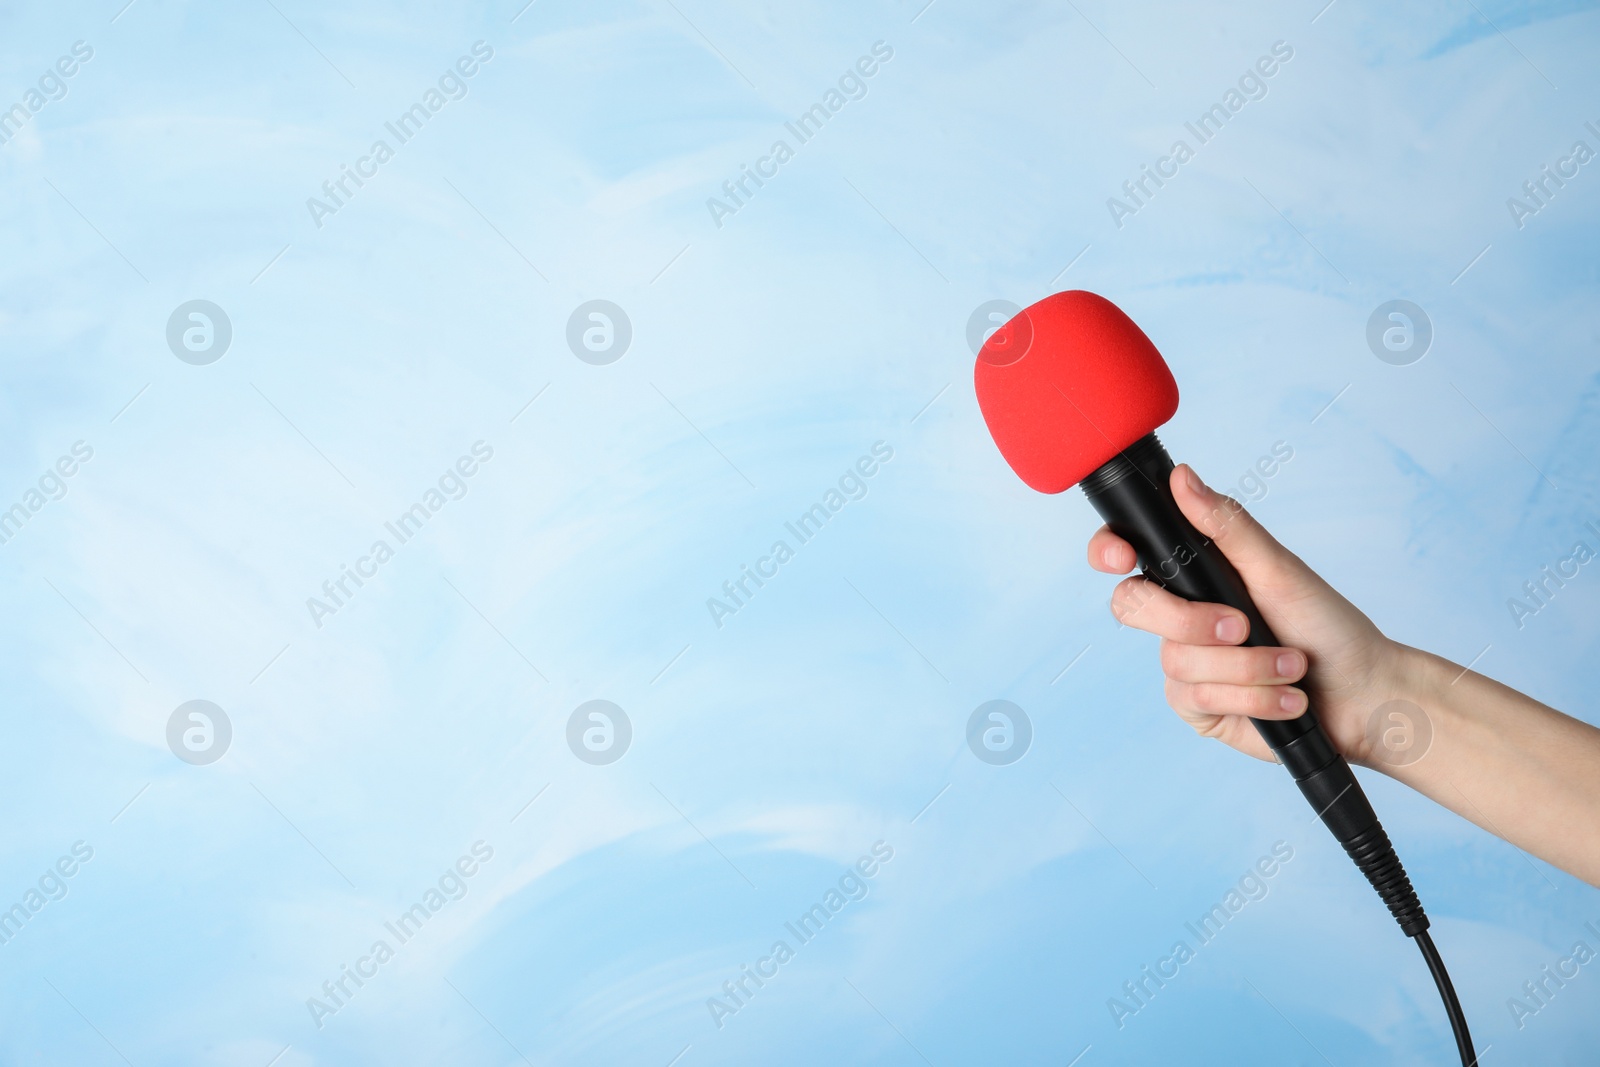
x: 1072, y: 392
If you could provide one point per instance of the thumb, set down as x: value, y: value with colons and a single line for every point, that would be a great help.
x: 1254, y: 552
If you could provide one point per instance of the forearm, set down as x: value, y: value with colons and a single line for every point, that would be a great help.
x: 1520, y: 770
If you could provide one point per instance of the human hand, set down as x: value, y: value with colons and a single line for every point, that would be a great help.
x: 1339, y: 658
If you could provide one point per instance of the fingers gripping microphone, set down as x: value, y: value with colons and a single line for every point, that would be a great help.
x: 1072, y: 392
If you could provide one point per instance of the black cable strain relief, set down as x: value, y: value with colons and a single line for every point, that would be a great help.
x: 1372, y: 852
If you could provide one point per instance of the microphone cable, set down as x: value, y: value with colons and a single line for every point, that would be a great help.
x: 1447, y: 993
x: 1374, y: 855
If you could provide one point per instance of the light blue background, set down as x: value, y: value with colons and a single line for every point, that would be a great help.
x: 826, y: 315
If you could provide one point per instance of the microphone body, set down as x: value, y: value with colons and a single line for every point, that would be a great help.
x: 1132, y: 492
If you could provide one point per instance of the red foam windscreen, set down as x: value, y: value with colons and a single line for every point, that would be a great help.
x: 1067, y: 384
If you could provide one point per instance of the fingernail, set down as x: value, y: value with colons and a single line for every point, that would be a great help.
x: 1196, y: 486
x: 1294, y: 700
x: 1230, y: 628
x: 1288, y: 665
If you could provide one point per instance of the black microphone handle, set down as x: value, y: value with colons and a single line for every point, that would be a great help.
x: 1132, y: 492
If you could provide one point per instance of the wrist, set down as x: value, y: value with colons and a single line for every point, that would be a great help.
x: 1413, y: 715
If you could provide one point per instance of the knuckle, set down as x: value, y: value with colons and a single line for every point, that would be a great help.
x: 1227, y: 512
x: 1261, y: 699
x: 1263, y: 664
x: 1199, y: 621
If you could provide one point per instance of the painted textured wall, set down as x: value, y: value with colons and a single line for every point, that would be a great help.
x: 397, y: 499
